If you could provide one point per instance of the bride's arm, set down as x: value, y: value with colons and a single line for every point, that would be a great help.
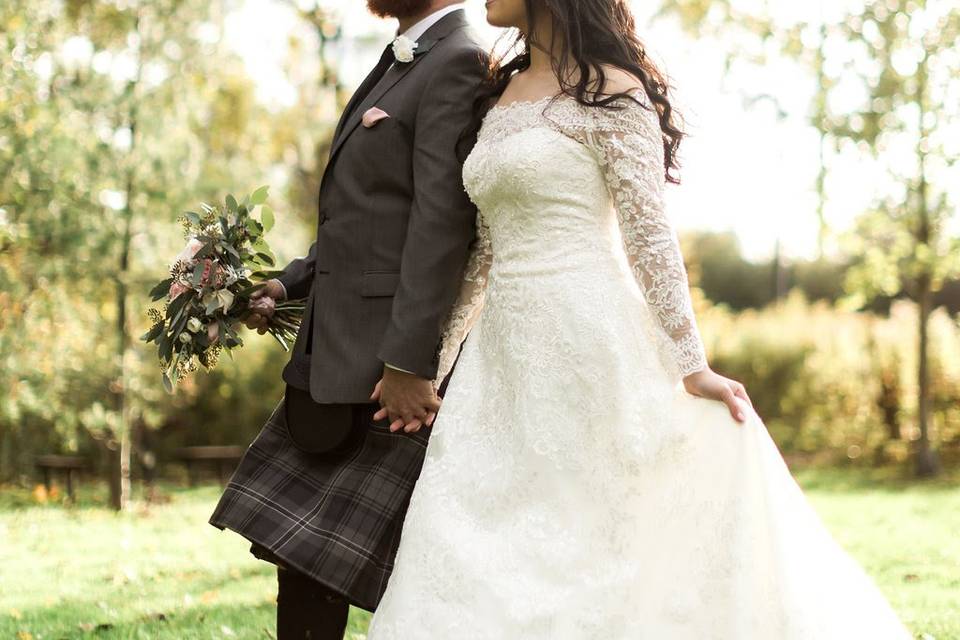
x: 629, y: 147
x: 469, y: 302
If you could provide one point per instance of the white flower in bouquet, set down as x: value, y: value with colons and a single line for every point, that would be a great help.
x: 231, y: 276
x: 188, y: 252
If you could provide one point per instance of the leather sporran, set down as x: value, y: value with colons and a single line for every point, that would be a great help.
x: 315, y: 427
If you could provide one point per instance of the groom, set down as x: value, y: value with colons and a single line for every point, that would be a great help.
x: 394, y: 231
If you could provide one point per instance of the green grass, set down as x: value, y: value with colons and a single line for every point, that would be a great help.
x: 162, y: 572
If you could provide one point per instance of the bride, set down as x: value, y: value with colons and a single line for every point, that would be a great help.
x: 572, y: 487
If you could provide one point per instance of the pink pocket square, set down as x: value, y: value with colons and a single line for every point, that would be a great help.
x: 373, y: 115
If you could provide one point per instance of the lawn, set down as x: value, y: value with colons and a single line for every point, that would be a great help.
x: 162, y: 572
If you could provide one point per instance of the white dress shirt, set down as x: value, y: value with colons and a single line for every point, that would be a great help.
x: 413, y: 33
x: 421, y: 27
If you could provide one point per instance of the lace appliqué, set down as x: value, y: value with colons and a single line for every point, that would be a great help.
x: 628, y: 148
x: 469, y: 302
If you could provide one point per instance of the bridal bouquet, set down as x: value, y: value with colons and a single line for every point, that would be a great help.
x: 210, y: 286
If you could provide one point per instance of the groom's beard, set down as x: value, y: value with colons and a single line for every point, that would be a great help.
x: 398, y: 8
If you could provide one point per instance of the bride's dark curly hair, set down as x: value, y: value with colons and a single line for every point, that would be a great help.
x: 588, y: 35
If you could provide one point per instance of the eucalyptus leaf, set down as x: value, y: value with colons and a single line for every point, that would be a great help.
x: 266, y: 275
x: 167, y: 383
x: 161, y: 290
x: 153, y: 333
x: 267, y: 218
x: 265, y: 258
x: 180, y: 323
x: 205, y: 251
x: 197, y: 275
x: 260, y: 195
x: 166, y: 347
x: 229, y: 248
x: 246, y: 291
x: 210, y: 303
x: 231, y: 203
x: 177, y: 304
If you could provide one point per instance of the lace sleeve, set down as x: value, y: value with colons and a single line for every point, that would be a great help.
x: 467, y: 308
x: 629, y: 147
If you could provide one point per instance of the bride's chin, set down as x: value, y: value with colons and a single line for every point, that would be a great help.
x: 495, y: 15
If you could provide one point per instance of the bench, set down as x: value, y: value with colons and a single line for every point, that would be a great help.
x: 223, y: 458
x: 69, y: 465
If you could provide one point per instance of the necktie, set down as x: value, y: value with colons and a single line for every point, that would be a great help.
x: 386, y: 60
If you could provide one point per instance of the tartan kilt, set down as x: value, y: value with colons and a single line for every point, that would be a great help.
x: 335, y: 516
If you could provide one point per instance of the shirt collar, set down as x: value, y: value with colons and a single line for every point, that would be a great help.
x: 421, y: 27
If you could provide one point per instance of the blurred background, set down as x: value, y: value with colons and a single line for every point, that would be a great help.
x: 818, y: 215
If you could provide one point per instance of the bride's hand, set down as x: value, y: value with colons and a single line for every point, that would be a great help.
x: 708, y: 384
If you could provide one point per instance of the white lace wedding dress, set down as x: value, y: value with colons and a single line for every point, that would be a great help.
x: 571, y: 488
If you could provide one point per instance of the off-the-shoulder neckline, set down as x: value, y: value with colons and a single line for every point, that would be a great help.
x: 543, y: 100
x: 526, y: 103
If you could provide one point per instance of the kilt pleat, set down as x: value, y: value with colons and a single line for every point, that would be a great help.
x: 335, y: 516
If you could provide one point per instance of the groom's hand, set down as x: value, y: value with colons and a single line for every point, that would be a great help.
x: 408, y: 400
x: 261, y: 305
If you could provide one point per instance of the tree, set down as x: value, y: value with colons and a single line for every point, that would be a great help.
x: 901, y: 59
x: 911, y: 70
x: 113, y: 122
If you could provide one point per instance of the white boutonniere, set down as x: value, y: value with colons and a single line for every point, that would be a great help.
x: 403, y: 48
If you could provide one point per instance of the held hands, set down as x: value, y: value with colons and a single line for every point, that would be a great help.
x: 707, y: 384
x: 262, y: 303
x: 408, y: 400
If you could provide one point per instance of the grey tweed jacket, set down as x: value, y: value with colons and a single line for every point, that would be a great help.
x: 394, y: 224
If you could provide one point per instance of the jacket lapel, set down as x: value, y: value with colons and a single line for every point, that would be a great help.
x: 447, y: 25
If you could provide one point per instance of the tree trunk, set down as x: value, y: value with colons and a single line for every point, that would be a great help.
x: 120, y: 485
x: 927, y: 463
x: 821, y: 116
x: 111, y: 454
x: 890, y: 405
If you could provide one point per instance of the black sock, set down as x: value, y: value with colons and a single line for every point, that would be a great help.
x: 307, y: 610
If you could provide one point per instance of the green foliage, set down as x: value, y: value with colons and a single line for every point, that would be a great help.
x: 893, y: 67
x: 719, y: 269
x: 838, y: 384
x: 113, y: 118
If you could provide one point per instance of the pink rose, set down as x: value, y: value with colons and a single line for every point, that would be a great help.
x: 205, y: 276
x: 263, y: 305
x: 177, y: 288
x: 189, y: 251
x: 213, y: 273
